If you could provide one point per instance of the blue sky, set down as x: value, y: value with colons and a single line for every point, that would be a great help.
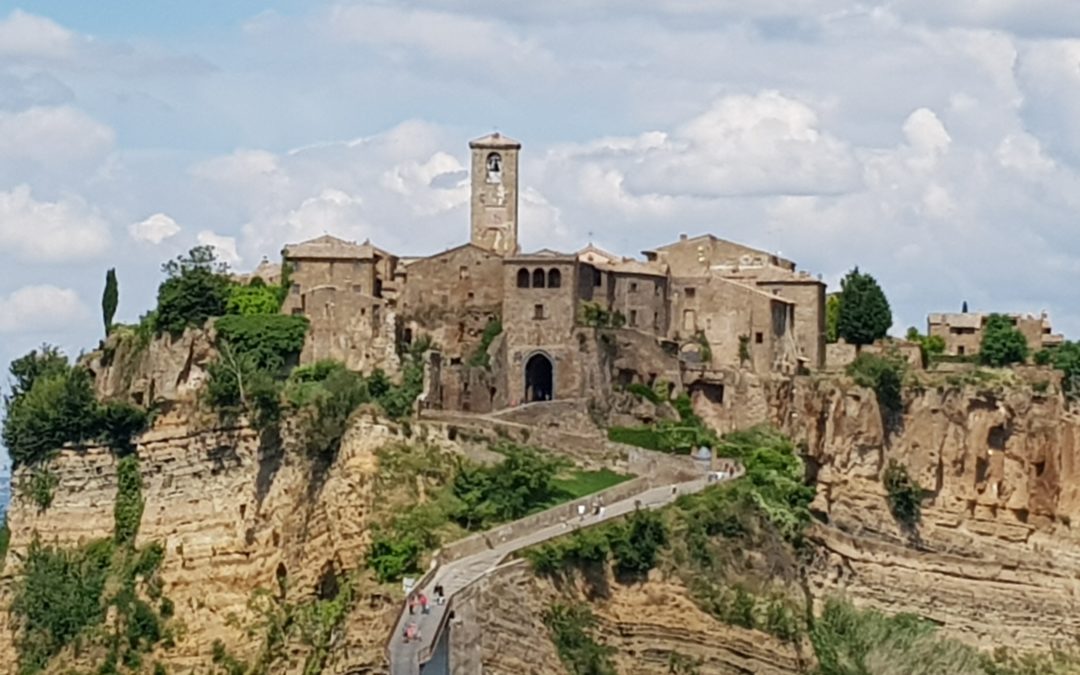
x: 936, y: 145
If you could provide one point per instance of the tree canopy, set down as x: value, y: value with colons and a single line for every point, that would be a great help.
x: 832, y: 316
x: 1002, y: 343
x: 109, y: 299
x: 864, y: 315
x: 197, y: 287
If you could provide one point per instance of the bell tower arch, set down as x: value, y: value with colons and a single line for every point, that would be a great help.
x: 494, y: 202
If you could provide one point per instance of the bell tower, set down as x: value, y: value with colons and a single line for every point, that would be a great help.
x: 494, y: 202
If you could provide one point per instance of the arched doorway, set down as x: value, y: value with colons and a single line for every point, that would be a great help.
x: 539, y: 378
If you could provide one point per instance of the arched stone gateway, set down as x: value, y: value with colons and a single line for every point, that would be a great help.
x: 539, y: 378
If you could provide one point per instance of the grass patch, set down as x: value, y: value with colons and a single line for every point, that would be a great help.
x: 676, y: 437
x: 575, y: 484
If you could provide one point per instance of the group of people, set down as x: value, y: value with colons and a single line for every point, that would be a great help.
x: 420, y: 601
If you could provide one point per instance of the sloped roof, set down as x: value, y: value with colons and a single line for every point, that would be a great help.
x: 330, y: 247
x: 607, y: 255
x: 711, y: 238
x: 636, y: 267
x: 495, y: 140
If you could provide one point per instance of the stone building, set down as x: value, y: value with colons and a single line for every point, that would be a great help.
x: 963, y: 331
x: 704, y: 302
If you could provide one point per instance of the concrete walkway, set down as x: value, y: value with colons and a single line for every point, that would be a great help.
x: 406, y: 658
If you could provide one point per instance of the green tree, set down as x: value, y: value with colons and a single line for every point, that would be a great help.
x: 1002, y: 344
x: 832, y: 317
x: 1066, y: 358
x: 864, y: 314
x: 59, y: 408
x: 25, y: 370
x: 197, y: 287
x: 109, y: 299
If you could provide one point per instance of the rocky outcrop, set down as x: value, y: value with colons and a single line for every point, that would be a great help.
x: 995, y: 559
x: 146, y: 371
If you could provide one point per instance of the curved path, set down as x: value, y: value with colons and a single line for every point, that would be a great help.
x: 406, y: 657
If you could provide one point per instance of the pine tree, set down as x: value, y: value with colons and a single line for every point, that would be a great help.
x: 864, y: 311
x: 109, y: 299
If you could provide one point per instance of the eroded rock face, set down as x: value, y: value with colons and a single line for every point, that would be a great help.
x: 995, y: 559
x: 165, y: 369
x: 235, y: 513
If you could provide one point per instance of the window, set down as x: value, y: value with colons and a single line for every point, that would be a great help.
x: 538, y: 311
x: 538, y: 279
x: 656, y: 320
x: 688, y: 320
x: 633, y: 287
x: 472, y: 295
x: 296, y: 311
x: 378, y: 288
x: 523, y: 278
x: 759, y: 337
x: 375, y: 314
x: 691, y: 292
x: 633, y: 317
x: 295, y: 265
x: 294, y: 289
x: 597, y: 278
x: 357, y: 288
x: 960, y: 351
x: 554, y: 278
x: 656, y: 290
x: 494, y: 167
x: 463, y: 272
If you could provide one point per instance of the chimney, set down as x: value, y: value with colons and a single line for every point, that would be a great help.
x: 682, y: 236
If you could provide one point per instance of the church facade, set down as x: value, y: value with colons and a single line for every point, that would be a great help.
x: 698, y: 303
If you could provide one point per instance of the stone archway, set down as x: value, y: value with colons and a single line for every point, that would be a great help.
x: 539, y: 378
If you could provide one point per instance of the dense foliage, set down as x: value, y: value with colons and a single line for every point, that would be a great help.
x: 196, y: 288
x: 480, y: 358
x: 905, y: 496
x: 679, y: 437
x: 864, y: 315
x: 52, y: 403
x: 832, y: 317
x: 931, y: 347
x: 594, y: 315
x: 1002, y: 343
x: 254, y: 299
x: 1066, y: 358
x: 506, y: 491
x: 885, y: 375
x: 572, y: 629
x: 110, y: 297
x: 128, y: 509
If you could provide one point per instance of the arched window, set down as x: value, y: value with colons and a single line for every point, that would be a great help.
x: 494, y: 167
x: 538, y: 279
x: 554, y: 278
x: 523, y: 278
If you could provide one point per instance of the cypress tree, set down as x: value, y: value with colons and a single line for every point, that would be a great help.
x: 109, y: 299
x: 864, y: 314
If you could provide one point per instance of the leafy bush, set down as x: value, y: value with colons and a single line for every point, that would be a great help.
x: 394, y: 554
x: 681, y: 437
x: 5, y: 541
x: 196, y: 288
x: 1066, y: 358
x: 594, y: 315
x: 644, y: 392
x: 52, y: 404
x: 271, y: 340
x: 832, y: 317
x: 1002, y: 343
x: 636, y: 543
x: 883, y: 374
x: 40, y: 487
x: 905, y: 497
x: 931, y: 347
x: 864, y: 315
x: 330, y: 407
x: 480, y: 358
x: 58, y: 595
x: 507, y: 491
x: 253, y: 300
x: 128, y: 509
x: 572, y: 628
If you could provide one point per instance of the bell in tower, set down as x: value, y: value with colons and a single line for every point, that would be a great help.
x: 494, y: 202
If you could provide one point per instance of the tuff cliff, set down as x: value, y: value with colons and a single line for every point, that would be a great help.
x: 994, y: 559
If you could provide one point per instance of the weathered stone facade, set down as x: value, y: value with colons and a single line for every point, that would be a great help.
x: 706, y: 302
x: 963, y: 331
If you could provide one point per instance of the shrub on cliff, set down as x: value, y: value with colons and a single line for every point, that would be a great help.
x: 1002, y: 343
x: 905, y: 496
x: 480, y: 358
x: 885, y: 375
x: 52, y: 403
x: 196, y: 288
x: 522, y: 482
x: 864, y: 315
x: 572, y: 629
x: 1066, y: 358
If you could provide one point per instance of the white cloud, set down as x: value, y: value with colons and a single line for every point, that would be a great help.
x: 53, y: 137
x: 224, y: 246
x: 155, y: 229
x: 33, y: 309
x: 67, y: 229
x: 23, y: 34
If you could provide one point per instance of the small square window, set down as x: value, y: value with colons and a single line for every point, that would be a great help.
x: 759, y: 338
x: 472, y: 295
x: 633, y: 287
x: 357, y: 288
x: 633, y: 317
x: 538, y: 311
x: 463, y: 272
x: 294, y: 289
x: 691, y: 292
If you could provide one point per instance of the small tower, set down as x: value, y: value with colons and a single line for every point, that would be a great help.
x: 494, y: 200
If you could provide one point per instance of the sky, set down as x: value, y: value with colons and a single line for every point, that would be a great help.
x: 934, y: 145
